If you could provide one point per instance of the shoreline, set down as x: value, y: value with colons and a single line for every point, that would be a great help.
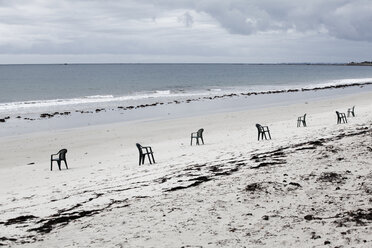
x: 188, y: 100
x: 180, y: 108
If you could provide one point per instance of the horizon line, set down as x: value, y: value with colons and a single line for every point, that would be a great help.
x: 185, y: 63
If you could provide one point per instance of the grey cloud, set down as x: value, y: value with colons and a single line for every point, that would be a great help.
x: 210, y: 28
x: 345, y: 19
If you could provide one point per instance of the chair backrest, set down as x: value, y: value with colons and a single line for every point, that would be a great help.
x: 337, y: 113
x: 200, y: 132
x: 304, y: 116
x: 62, y: 154
x: 139, y: 148
x: 353, y: 109
x: 259, y: 127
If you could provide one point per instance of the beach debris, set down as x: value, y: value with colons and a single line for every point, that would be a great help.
x: 197, y: 180
x: 295, y: 184
x: 331, y: 177
x: 19, y: 220
x: 48, y: 115
x: 253, y: 187
x: 360, y: 217
x: 314, y: 236
x: 263, y: 164
x: 265, y: 187
x: 44, y: 115
x: 84, y: 112
x: 6, y: 239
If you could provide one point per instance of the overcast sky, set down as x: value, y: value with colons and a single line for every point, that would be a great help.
x: 135, y: 31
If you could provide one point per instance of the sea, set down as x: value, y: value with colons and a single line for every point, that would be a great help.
x: 26, y: 91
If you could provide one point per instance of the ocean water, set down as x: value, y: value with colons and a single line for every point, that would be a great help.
x: 28, y: 87
x: 29, y: 90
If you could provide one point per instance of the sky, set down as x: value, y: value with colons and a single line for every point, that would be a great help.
x: 185, y: 31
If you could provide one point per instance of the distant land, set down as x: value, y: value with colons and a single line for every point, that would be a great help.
x: 361, y: 63
x: 364, y: 63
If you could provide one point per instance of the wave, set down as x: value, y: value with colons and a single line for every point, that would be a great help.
x: 25, y: 105
x: 163, y: 92
x: 100, y: 97
x: 336, y: 82
x: 215, y: 90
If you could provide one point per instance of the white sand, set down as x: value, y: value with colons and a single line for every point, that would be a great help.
x: 106, y: 200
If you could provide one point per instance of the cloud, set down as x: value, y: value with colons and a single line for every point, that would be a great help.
x: 230, y: 29
x: 345, y: 19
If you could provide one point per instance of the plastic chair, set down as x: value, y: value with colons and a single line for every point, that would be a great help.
x: 61, y: 157
x: 262, y: 130
x: 197, y: 135
x: 351, y: 111
x: 143, y: 151
x: 301, y: 119
x: 341, y: 117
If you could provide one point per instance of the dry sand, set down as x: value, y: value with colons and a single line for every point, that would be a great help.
x: 306, y: 187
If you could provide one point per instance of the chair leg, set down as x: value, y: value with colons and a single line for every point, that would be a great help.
x: 191, y: 141
x: 141, y: 159
x: 153, y: 159
x: 66, y: 163
x: 148, y: 156
x: 59, y: 164
x: 258, y: 138
x: 197, y: 141
x: 202, y: 140
x: 304, y: 123
x: 269, y: 134
x: 51, y: 165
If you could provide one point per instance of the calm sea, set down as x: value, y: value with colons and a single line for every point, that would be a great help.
x: 25, y: 87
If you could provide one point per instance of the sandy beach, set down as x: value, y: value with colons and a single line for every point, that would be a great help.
x: 306, y: 187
